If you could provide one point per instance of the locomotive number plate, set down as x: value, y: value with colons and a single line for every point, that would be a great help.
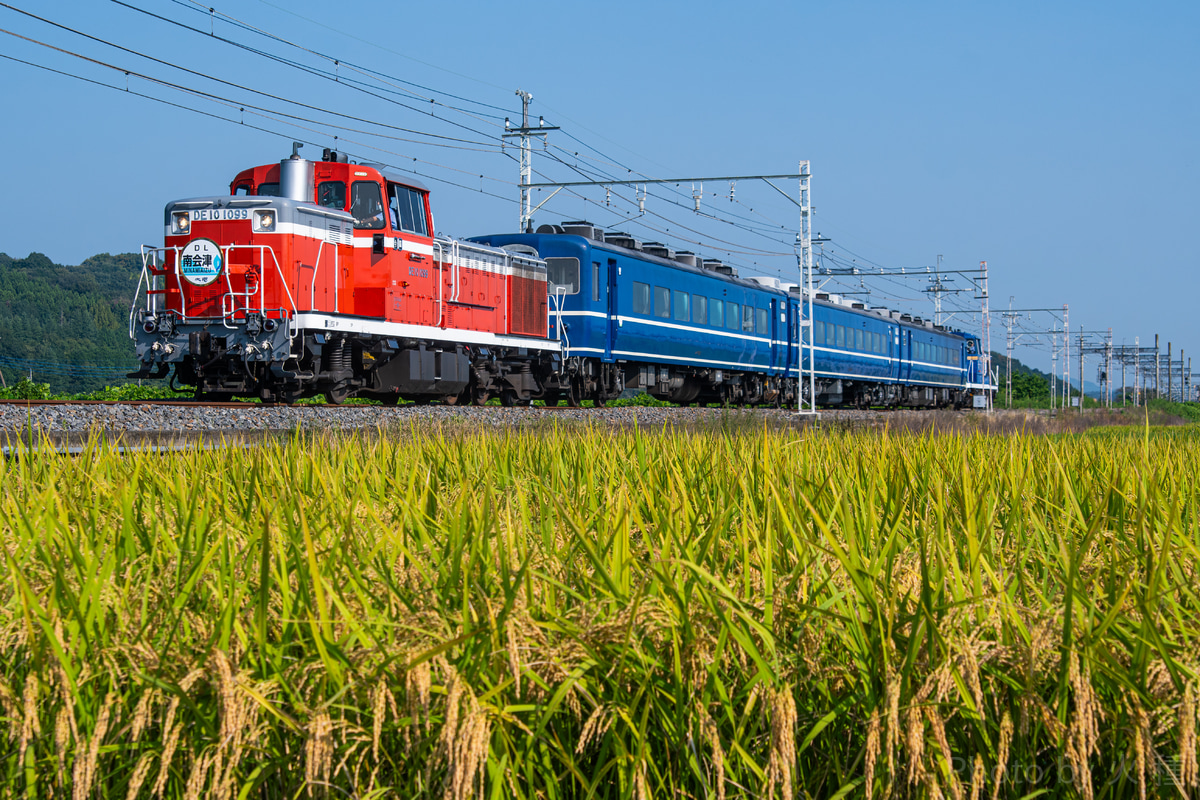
x: 217, y: 214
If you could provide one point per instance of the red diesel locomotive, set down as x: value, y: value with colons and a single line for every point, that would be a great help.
x: 325, y: 277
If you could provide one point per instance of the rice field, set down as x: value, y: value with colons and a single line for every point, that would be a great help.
x: 578, y: 612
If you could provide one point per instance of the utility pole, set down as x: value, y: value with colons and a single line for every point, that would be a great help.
x: 1009, y: 318
x: 987, y: 333
x: 1157, y: 390
x: 806, y: 323
x: 1170, y: 375
x: 526, y: 135
x: 1137, y: 369
x: 1082, y: 394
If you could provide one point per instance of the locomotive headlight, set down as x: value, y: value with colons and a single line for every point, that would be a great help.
x: 181, y: 222
x: 264, y: 221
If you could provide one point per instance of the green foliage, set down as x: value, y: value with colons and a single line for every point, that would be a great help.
x: 52, y: 314
x: 26, y: 389
x: 1188, y: 411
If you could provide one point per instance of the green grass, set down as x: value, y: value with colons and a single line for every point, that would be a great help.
x: 573, y: 612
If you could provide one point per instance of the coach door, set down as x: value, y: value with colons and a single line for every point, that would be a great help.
x: 777, y: 329
x: 611, y: 305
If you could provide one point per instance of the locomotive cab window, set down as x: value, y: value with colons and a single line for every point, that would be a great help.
x: 366, y: 205
x: 563, y: 275
x: 242, y: 189
x: 407, y: 209
x: 268, y: 190
x: 331, y: 194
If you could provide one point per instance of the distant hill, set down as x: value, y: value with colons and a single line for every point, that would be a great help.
x: 69, y: 324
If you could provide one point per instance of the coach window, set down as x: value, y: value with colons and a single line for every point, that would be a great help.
x: 683, y: 308
x: 747, y: 319
x: 595, y: 281
x: 641, y: 298
x: 858, y: 342
x: 733, y: 316
x: 761, y: 321
x: 699, y: 309
x: 839, y: 337
x: 818, y: 333
x: 331, y: 194
x: 716, y: 313
x: 562, y: 275
x: 662, y: 302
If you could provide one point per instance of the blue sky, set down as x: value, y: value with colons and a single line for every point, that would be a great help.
x: 1055, y: 140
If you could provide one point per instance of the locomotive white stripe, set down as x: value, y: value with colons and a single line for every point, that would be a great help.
x: 400, y: 330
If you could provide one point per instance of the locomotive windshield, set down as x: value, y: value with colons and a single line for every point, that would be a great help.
x: 366, y: 204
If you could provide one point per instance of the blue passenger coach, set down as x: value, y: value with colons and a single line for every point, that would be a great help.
x: 630, y: 314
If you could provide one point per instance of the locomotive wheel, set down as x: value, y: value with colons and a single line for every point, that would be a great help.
x: 509, y: 398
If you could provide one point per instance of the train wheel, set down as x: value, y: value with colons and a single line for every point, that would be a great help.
x: 479, y: 397
x: 337, y: 395
x: 450, y: 400
x: 574, y: 395
x: 552, y: 398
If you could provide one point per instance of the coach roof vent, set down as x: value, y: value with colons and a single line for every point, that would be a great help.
x: 549, y: 229
x: 763, y: 280
x: 881, y: 310
x: 858, y: 305
x: 822, y: 295
x: 622, y: 239
x: 583, y: 228
x: 906, y: 318
x: 658, y: 249
x: 687, y: 257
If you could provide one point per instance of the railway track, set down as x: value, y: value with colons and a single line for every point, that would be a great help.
x: 248, y: 404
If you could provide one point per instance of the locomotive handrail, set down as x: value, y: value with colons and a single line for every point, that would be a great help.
x: 441, y: 259
x: 232, y: 296
x: 312, y: 287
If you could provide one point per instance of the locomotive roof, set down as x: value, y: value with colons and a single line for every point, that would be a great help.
x: 397, y: 177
